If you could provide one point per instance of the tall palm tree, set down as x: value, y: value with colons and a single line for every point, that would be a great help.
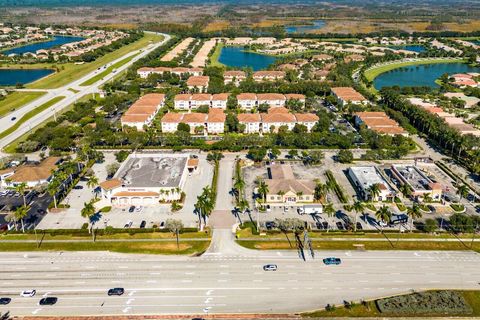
x: 329, y: 210
x: 239, y: 185
x: 358, y: 207
x: 320, y: 192
x: 52, y: 189
x: 92, y: 182
x: 462, y: 191
x: 406, y: 190
x: 414, y: 212
x: 243, y: 205
x: 383, y: 214
x: 374, y: 191
x: 20, y: 188
x: 87, y: 212
x: 20, y: 213
x: 263, y: 190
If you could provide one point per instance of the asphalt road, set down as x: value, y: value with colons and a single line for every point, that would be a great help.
x: 70, y: 97
x: 219, y: 283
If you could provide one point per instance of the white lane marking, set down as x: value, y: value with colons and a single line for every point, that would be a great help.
x: 55, y: 268
x: 363, y: 281
x: 80, y: 282
x: 279, y: 254
x: 122, y: 267
x: 189, y: 273
x: 46, y: 294
x: 186, y: 281
x: 85, y: 274
x: 206, y: 309
x: 116, y: 281
x: 126, y: 309
x: 36, y: 311
x: 157, y: 267
x: 155, y: 273
x: 130, y: 301
x: 132, y: 293
x: 120, y: 273
x: 434, y: 281
x: 257, y: 280
x: 221, y: 280
x: 292, y: 273
x: 151, y: 281
x: 90, y: 267
x: 209, y: 292
x: 224, y: 273
x: 223, y: 266
x: 398, y: 281
x: 208, y: 300
x: 16, y: 275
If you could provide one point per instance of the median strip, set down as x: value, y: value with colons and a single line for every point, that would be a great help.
x: 107, y: 71
x: 27, y: 116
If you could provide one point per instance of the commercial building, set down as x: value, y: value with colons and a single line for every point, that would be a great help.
x: 143, y: 111
x: 284, y: 188
x: 148, y: 179
x: 346, y: 95
x: 419, y: 184
x: 363, y: 178
x: 32, y: 174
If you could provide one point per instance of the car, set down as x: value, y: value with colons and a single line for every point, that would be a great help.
x: 162, y: 225
x: 285, y: 209
x: 128, y: 224
x: 116, y: 291
x: 332, y: 260
x: 4, y: 301
x: 359, y: 226
x: 340, y: 226
x: 78, y: 187
x: 270, y: 267
x: 41, y: 211
x: 28, y: 293
x: 319, y: 225
x: 48, y: 301
x: 143, y: 224
x: 431, y: 208
x: 270, y: 225
x: 13, y: 118
x: 269, y: 208
x: 131, y: 209
x: 325, y: 225
x: 138, y: 209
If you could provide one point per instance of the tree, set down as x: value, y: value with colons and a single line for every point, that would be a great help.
x: 320, y: 192
x: 430, y: 226
x: 345, y: 156
x: 204, y: 205
x: 374, y: 191
x: 20, y: 188
x: 257, y: 154
x: 52, y: 190
x: 263, y: 190
x: 183, y: 127
x: 92, y: 182
x: 414, y: 212
x: 88, y: 211
x: 406, y: 190
x: 358, y: 208
x: 462, y: 191
x: 112, y: 168
x: 20, y: 214
x: 293, y: 153
x: 214, y: 156
x: 121, y: 155
x: 384, y: 215
x: 174, y: 226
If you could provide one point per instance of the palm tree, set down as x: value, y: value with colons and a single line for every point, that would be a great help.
x: 462, y: 191
x: 87, y: 212
x: 52, y: 189
x: 243, y: 205
x: 383, y: 214
x: 320, y: 191
x: 92, y: 182
x: 374, y: 191
x: 414, y: 213
x: 329, y: 210
x: 174, y: 226
x: 406, y: 190
x: 20, y: 214
x: 358, y: 208
x: 238, y: 186
x: 263, y: 190
x: 20, y: 188
x: 427, y: 198
x: 11, y: 217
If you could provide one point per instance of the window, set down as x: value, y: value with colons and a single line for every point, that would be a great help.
x: 272, y: 198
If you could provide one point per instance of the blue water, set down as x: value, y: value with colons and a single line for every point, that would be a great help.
x: 420, y: 75
x: 317, y: 24
x: 10, y: 77
x: 477, y: 42
x: 415, y: 48
x: 55, y: 42
x: 237, y: 57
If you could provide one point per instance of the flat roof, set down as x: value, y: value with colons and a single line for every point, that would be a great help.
x: 152, y: 170
x: 368, y: 176
x: 417, y: 180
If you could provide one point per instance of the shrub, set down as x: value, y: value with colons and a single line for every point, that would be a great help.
x: 85, y: 226
x: 106, y: 209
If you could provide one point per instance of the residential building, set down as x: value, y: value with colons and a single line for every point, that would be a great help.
x: 220, y: 100
x: 196, y: 121
x: 211, y: 123
x: 307, y: 119
x: 144, y: 72
x: 363, y: 178
x: 199, y: 83
x: 379, y: 122
x: 182, y: 101
x: 143, y: 111
x: 251, y: 121
x: 271, y: 99
x: 420, y: 185
x: 295, y: 96
x: 346, y: 95
x: 200, y: 99
x: 234, y: 76
x: 247, y: 101
x: 216, y: 121
x: 272, y: 121
x: 170, y: 122
x: 268, y: 75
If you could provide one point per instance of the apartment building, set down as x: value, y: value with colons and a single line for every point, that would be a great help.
x: 143, y: 111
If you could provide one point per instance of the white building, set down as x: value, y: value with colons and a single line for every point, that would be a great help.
x: 247, y: 101
x: 364, y: 178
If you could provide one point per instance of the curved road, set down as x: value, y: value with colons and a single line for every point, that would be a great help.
x: 70, y: 97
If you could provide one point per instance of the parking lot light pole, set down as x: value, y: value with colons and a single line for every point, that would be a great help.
x: 258, y: 220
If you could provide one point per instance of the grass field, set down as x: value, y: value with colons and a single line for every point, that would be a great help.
x: 216, y: 55
x: 374, y: 72
x: 29, y: 115
x: 107, y: 71
x: 69, y: 72
x: 369, y: 309
x: 216, y: 26
x: 147, y: 247
x: 16, y: 100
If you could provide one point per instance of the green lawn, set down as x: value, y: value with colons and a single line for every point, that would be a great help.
x: 17, y: 100
x: 69, y: 72
x: 147, y: 247
x: 107, y: 71
x: 29, y: 115
x: 372, y: 73
x: 216, y: 55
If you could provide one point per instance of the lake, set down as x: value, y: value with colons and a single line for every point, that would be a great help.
x: 420, y: 75
x: 317, y: 24
x: 237, y: 57
x: 477, y: 42
x: 10, y: 77
x: 414, y: 48
x: 56, y: 41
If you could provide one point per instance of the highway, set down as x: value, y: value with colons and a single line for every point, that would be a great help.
x: 70, y: 97
x: 218, y: 283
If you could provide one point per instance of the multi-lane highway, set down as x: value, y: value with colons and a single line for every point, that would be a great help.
x: 218, y: 283
x: 70, y: 96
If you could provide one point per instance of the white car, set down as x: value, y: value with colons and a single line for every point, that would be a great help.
x: 28, y: 293
x: 138, y: 209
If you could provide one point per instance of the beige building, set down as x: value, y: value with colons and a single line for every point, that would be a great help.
x: 284, y: 188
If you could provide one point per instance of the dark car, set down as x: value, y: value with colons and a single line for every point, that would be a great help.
x: 48, y: 301
x: 340, y: 226
x: 78, y: 187
x: 41, y: 211
x: 14, y: 118
x: 131, y: 209
x: 319, y: 225
x: 143, y: 224
x: 332, y: 260
x: 325, y: 225
x: 4, y: 301
x: 359, y: 226
x: 116, y: 291
x: 269, y: 225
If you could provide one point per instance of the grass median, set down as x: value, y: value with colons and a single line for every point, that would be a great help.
x: 30, y: 115
x: 17, y: 100
x: 107, y: 71
x: 374, y: 72
x: 216, y: 55
x: 69, y: 72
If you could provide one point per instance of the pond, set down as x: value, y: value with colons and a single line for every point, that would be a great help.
x: 54, y: 42
x: 10, y: 77
x: 413, y: 47
x: 237, y: 57
x: 477, y: 42
x: 420, y: 75
x: 317, y: 24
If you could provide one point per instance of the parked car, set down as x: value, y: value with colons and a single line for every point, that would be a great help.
x: 143, y: 224
x: 48, y: 301
x: 28, y: 293
x: 162, y: 225
x: 340, y: 226
x: 359, y: 226
x: 116, y: 291
x: 319, y: 225
x: 270, y: 267
x: 128, y: 224
x: 269, y: 208
x: 4, y: 301
x: 332, y: 260
x: 13, y: 118
x: 78, y: 187
x: 325, y: 225
x: 270, y: 225
x: 131, y: 209
x: 138, y: 209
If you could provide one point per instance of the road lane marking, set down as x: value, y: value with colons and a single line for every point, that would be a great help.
x: 132, y: 293
x: 221, y: 280
x: 122, y: 267
x: 186, y: 281
x: 130, y: 301
x: 209, y: 292
x: 36, y: 311
x: 208, y: 300
x: 189, y: 273
x: 126, y: 309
